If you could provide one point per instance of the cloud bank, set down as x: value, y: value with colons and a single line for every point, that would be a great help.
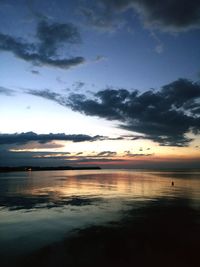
x: 165, y: 116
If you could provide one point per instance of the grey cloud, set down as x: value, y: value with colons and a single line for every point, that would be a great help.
x: 36, y: 72
x: 79, y: 153
x: 166, y: 15
x: 35, y: 145
x: 47, y: 94
x: 6, y: 91
x: 99, y: 160
x: 78, y: 85
x: 138, y: 155
x: 99, y: 19
x: 165, y: 116
x: 44, y: 52
x: 23, y: 138
x: 106, y: 154
x: 27, y: 158
x: 179, y: 15
x: 53, y: 35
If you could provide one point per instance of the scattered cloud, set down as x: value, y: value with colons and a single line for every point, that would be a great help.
x: 78, y: 85
x: 45, y: 51
x: 79, y: 153
x: 36, y: 72
x: 100, y: 17
x: 106, y: 154
x: 59, y: 80
x: 51, y: 36
x: 100, y: 58
x: 138, y: 155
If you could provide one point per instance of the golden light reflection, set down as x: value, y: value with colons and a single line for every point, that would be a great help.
x: 102, y: 184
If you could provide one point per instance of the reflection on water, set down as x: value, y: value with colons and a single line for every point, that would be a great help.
x: 39, y: 208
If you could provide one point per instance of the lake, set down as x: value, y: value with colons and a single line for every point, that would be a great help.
x: 48, y: 218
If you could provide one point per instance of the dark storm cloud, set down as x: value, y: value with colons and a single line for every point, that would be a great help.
x: 165, y: 116
x: 45, y: 51
x: 6, y: 91
x: 23, y: 138
x: 170, y: 15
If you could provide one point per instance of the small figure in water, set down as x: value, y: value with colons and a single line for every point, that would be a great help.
x: 172, y: 183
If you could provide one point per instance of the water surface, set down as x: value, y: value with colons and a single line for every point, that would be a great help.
x: 38, y: 209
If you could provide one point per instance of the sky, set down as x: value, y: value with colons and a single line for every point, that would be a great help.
x: 110, y: 83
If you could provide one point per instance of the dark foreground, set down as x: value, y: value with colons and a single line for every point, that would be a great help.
x: 163, y: 233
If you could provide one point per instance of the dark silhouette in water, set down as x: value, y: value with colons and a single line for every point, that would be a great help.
x: 172, y: 183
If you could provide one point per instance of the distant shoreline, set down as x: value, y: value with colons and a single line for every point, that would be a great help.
x: 32, y: 168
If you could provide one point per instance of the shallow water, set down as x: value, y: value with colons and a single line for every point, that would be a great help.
x: 40, y: 208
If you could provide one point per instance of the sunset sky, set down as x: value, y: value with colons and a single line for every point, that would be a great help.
x: 111, y: 83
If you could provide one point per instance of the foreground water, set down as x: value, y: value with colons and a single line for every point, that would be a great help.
x: 38, y: 209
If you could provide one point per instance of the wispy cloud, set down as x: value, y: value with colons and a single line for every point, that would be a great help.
x: 6, y: 91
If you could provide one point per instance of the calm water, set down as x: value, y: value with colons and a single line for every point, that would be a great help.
x: 39, y: 208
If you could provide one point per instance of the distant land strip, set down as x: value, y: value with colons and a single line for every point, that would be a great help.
x: 37, y: 168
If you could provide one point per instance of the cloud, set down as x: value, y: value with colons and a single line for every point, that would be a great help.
x: 166, y: 15
x: 46, y: 158
x: 102, y: 16
x: 6, y: 91
x: 138, y: 155
x: 175, y: 16
x: 30, y: 146
x: 100, y: 58
x: 36, y: 72
x: 78, y: 85
x: 23, y: 138
x: 53, y: 35
x: 47, y: 94
x: 106, y: 154
x: 45, y: 51
x: 35, y: 13
x: 165, y: 116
